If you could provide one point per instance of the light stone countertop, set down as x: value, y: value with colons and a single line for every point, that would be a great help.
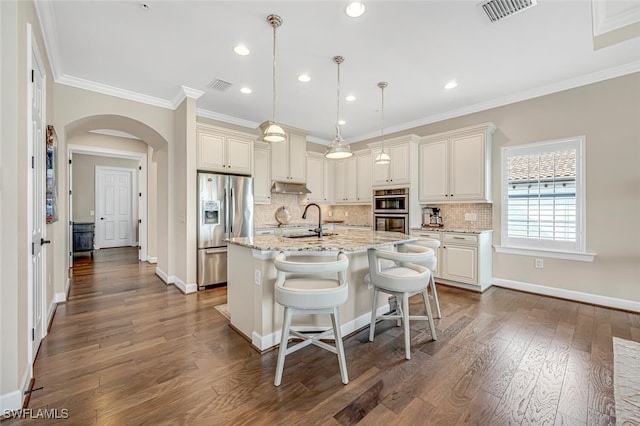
x: 348, y: 240
x: 457, y: 230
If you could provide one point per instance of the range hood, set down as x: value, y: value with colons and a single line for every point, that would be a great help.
x: 289, y: 188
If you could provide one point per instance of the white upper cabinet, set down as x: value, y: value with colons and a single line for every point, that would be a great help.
x: 399, y: 170
x: 223, y: 150
x: 353, y: 179
x: 261, y: 175
x: 318, y: 175
x: 456, y: 166
x: 289, y: 158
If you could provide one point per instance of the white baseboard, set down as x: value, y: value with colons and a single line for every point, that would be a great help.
x: 273, y: 339
x: 152, y: 259
x: 577, y: 296
x: 52, y: 310
x: 13, y: 400
x: 184, y: 287
x: 168, y: 279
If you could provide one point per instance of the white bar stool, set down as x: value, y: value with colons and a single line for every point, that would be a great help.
x: 403, y: 280
x: 431, y: 264
x: 311, y: 294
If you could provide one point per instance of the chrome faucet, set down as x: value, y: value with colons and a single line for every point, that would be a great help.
x: 318, y: 230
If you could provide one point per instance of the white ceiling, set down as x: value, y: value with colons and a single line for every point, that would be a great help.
x: 118, y: 47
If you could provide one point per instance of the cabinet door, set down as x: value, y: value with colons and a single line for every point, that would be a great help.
x: 210, y: 155
x: 380, y: 171
x: 399, y: 168
x: 467, y: 169
x: 364, y: 163
x: 432, y: 171
x: 261, y: 178
x: 459, y: 263
x: 340, y: 194
x: 239, y: 155
x: 351, y: 179
x: 315, y: 179
x: 280, y: 161
x: 297, y: 158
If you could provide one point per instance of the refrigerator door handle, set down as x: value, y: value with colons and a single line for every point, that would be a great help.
x: 232, y: 212
x: 214, y: 251
x: 226, y: 213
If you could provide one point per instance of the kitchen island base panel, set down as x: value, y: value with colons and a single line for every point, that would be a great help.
x: 251, y: 303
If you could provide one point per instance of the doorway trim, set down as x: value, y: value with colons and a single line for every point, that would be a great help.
x: 142, y: 189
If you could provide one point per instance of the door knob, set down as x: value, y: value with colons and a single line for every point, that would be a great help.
x: 43, y: 241
x: 102, y: 218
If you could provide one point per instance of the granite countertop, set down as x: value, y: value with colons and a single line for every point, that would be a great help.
x: 452, y: 229
x: 348, y: 240
x: 304, y: 225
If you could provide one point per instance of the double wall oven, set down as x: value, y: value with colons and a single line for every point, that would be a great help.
x: 391, y: 210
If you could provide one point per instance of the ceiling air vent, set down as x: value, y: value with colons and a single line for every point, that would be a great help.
x: 219, y: 85
x: 500, y: 9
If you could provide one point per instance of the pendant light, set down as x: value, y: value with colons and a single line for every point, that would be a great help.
x: 383, y: 157
x: 337, y: 148
x: 272, y: 131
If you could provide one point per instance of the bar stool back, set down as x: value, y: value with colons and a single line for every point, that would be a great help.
x: 301, y: 289
x: 431, y: 264
x: 403, y: 280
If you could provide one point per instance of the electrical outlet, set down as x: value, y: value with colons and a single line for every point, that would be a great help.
x: 330, y: 213
x: 91, y: 213
x: 471, y: 217
x: 346, y: 213
x: 258, y: 277
x: 539, y: 263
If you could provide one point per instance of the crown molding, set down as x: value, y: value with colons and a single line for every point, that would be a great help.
x: 226, y: 118
x: 571, y: 83
x: 184, y: 93
x: 46, y: 17
x: 604, y: 22
x: 114, y: 91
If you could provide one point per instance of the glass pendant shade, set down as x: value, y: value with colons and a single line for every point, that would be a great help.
x: 273, y: 133
x: 383, y: 158
x: 338, y: 149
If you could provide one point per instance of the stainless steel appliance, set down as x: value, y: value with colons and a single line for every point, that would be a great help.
x: 391, y: 210
x: 225, y: 210
x: 431, y: 217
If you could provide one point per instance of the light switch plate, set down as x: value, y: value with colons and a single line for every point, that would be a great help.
x: 258, y: 277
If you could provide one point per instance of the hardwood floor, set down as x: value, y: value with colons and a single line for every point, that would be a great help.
x: 127, y: 349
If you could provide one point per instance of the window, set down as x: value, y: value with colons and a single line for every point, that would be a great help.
x: 543, y: 196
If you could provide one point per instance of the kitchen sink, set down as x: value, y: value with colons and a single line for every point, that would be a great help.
x: 309, y: 235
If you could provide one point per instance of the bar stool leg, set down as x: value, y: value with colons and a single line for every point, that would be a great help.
x: 342, y: 362
x: 374, y: 309
x: 434, y: 293
x: 283, y: 345
x: 427, y: 306
x: 405, y: 320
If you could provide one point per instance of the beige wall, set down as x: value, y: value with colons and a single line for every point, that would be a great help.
x: 608, y: 115
x: 84, y: 182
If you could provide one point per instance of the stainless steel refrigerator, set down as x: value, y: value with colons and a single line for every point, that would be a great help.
x: 225, y: 210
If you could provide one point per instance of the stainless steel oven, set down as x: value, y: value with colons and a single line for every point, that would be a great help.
x: 391, y: 200
x: 391, y: 222
x: 391, y: 210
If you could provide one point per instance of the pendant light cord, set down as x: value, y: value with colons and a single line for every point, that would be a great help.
x: 382, y: 119
x: 273, y: 56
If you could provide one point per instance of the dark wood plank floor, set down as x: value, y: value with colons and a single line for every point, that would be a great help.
x: 127, y: 349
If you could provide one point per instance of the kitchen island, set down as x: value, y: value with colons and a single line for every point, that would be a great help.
x: 251, y: 278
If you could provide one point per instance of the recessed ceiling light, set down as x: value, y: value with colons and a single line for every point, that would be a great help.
x: 241, y: 50
x: 342, y: 122
x: 304, y: 78
x: 350, y: 98
x: 355, y: 9
x: 450, y: 85
x: 245, y: 90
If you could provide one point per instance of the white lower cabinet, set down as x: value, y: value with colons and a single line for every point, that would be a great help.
x: 464, y: 259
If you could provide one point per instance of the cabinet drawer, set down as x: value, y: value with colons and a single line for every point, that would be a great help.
x: 427, y: 234
x: 466, y: 239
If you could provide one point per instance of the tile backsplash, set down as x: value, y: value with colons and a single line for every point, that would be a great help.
x: 453, y: 215
x: 264, y: 214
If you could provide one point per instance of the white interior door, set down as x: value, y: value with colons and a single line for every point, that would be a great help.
x: 114, y: 189
x: 38, y: 213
